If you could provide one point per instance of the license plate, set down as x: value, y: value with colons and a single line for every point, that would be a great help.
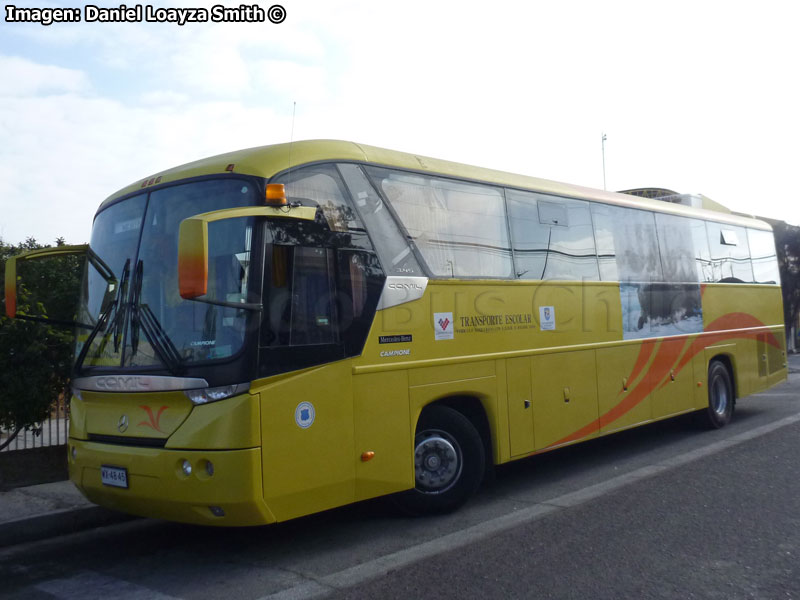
x: 114, y: 476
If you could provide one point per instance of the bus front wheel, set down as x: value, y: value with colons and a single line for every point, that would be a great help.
x: 720, y: 396
x: 449, y: 462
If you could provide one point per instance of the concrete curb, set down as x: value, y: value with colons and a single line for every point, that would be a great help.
x: 48, y: 510
x: 59, y: 522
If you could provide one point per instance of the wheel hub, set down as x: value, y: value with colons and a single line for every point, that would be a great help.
x: 720, y: 397
x: 437, y: 461
x: 433, y: 462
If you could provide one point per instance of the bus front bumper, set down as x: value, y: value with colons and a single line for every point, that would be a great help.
x: 159, y: 484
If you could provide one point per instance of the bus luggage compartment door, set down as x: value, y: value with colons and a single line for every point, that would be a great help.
x: 520, y: 410
x: 564, y: 397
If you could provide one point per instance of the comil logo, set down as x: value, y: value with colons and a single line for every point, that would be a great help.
x: 443, y: 326
x: 405, y: 286
x: 121, y: 383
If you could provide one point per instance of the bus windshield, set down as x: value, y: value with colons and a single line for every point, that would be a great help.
x: 140, y: 319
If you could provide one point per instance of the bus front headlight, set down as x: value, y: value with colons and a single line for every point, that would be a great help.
x: 206, y: 395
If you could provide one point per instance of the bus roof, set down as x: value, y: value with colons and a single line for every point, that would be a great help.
x: 267, y: 161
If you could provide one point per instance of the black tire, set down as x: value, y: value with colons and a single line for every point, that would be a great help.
x: 721, y: 399
x: 449, y: 462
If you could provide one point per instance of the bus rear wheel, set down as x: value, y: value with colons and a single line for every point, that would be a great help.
x: 449, y: 462
x: 720, y: 396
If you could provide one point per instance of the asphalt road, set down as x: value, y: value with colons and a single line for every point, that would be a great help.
x: 665, y: 511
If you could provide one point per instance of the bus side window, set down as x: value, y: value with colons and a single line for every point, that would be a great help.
x: 603, y: 221
x: 393, y: 250
x: 313, y: 320
x: 321, y: 185
x: 677, y: 243
x: 552, y: 237
x: 627, y: 244
x: 459, y: 228
x: 765, y: 259
x: 277, y: 297
x: 702, y: 253
x: 299, y: 300
x: 359, y: 280
x: 730, y: 254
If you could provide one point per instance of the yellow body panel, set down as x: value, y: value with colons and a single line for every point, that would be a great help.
x: 520, y: 406
x: 475, y: 380
x: 581, y: 380
x: 381, y: 399
x: 158, y: 488
x: 149, y: 415
x: 618, y: 374
x: 565, y: 397
x: 620, y: 383
x: 674, y: 392
x: 308, y: 469
x: 233, y: 423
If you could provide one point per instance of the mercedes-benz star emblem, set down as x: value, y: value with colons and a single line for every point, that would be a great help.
x: 122, y: 426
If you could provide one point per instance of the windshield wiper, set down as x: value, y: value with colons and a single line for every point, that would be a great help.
x: 121, y: 306
x: 112, y: 307
x: 137, y: 294
x: 159, y: 339
x: 142, y: 316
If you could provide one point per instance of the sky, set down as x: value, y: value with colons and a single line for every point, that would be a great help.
x: 695, y: 96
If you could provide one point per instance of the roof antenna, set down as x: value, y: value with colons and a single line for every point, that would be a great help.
x: 291, y: 135
x: 291, y: 145
x: 603, y: 142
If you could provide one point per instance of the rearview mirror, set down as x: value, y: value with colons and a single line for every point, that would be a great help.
x: 12, y: 276
x: 193, y: 246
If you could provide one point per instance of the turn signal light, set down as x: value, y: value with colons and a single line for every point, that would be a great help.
x: 276, y: 194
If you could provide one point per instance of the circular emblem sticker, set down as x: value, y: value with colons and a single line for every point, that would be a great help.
x: 304, y: 415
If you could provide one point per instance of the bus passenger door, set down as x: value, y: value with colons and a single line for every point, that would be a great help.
x: 520, y: 410
x: 564, y: 398
x: 307, y: 441
x: 307, y: 394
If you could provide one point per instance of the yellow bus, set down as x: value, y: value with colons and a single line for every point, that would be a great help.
x: 282, y: 330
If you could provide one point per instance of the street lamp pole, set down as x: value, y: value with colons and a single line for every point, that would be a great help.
x: 603, y: 142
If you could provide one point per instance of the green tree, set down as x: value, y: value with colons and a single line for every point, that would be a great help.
x: 36, y: 357
x: 787, y: 244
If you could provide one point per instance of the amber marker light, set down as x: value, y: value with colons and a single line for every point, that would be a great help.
x: 367, y: 456
x: 276, y: 194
